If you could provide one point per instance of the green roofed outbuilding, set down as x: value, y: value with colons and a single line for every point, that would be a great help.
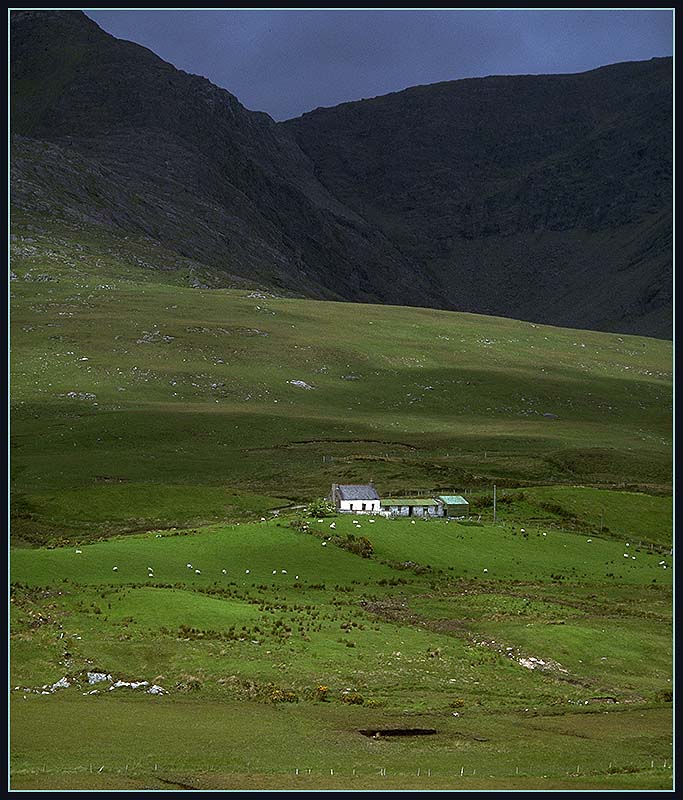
x: 455, y: 505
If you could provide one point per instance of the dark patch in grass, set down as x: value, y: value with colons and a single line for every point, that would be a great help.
x: 375, y: 733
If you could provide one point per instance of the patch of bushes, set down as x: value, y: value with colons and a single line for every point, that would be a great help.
x: 353, y: 698
x: 321, y: 507
x: 359, y: 545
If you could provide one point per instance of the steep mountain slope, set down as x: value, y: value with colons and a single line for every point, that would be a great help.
x: 105, y: 131
x: 543, y: 198
x: 540, y: 197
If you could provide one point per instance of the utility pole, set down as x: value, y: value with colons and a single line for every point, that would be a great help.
x: 494, y: 502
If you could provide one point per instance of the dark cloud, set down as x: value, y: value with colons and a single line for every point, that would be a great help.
x: 288, y: 62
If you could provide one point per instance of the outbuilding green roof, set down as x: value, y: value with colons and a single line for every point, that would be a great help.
x: 410, y: 501
x: 453, y: 500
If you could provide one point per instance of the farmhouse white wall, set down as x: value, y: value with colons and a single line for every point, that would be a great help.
x: 369, y: 506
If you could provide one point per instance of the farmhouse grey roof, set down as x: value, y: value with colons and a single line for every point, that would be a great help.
x: 357, y: 492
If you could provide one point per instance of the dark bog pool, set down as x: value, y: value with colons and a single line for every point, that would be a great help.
x: 377, y: 733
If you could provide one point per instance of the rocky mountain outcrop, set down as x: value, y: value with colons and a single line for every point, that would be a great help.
x: 545, y: 198
x: 540, y: 197
x: 104, y: 131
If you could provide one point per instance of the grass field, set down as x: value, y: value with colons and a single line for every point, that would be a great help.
x: 158, y: 451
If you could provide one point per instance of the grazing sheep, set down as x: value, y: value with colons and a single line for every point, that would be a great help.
x: 274, y: 572
x: 485, y: 570
x: 283, y: 571
x: 79, y: 551
x: 224, y: 571
x: 246, y: 571
x: 116, y: 569
x: 332, y: 525
x: 589, y: 540
x: 197, y: 572
x: 189, y: 566
x: 324, y: 543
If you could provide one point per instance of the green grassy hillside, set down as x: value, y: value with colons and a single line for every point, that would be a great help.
x: 140, y: 402
x: 550, y: 636
x: 158, y: 444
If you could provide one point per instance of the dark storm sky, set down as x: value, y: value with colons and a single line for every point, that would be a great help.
x: 288, y: 62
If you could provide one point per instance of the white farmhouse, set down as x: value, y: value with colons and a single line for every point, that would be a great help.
x: 355, y: 499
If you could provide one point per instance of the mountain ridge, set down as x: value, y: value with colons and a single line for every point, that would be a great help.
x: 394, y: 199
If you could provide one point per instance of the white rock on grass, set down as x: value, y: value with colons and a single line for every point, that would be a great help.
x: 98, y: 677
x: 62, y: 683
x: 155, y: 689
x: 129, y: 684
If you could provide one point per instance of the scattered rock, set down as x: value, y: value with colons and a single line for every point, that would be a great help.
x: 300, y: 384
x: 98, y: 677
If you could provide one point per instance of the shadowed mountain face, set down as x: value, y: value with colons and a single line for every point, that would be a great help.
x: 545, y: 198
x: 539, y: 197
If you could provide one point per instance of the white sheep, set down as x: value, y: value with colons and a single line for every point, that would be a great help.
x: 197, y: 572
x: 224, y: 571
x: 116, y: 569
x: 246, y: 571
x: 274, y: 572
x: 79, y: 551
x: 283, y: 571
x: 189, y: 566
x: 324, y: 544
